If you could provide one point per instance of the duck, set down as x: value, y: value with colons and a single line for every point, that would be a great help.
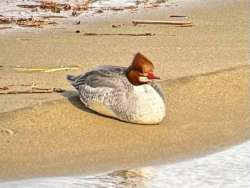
x: 129, y: 94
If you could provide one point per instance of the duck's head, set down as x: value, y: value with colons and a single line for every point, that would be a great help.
x: 141, y: 70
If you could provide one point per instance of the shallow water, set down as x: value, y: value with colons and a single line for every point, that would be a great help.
x: 9, y: 8
x: 229, y: 168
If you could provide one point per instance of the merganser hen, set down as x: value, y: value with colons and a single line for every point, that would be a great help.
x: 126, y: 93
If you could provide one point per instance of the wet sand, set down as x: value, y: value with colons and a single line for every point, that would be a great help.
x: 205, y: 76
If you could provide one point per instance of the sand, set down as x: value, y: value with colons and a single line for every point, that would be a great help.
x: 205, y: 77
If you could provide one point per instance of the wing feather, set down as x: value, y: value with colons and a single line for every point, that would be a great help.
x: 104, y: 76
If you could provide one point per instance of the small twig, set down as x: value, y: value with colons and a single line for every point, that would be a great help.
x: 47, y: 17
x: 119, y: 34
x: 4, y: 88
x: 185, y: 25
x: 46, y: 69
x: 115, y: 8
x: 136, y: 22
x: 22, y: 85
x: 41, y: 89
x: 33, y: 84
x: 24, y: 92
x: 34, y: 90
x: 178, y: 16
x: 115, y: 26
x: 6, y: 131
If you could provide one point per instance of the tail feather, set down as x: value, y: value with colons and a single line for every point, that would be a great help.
x: 71, y: 78
x: 76, y: 81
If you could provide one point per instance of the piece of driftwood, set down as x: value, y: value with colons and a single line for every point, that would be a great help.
x: 26, y: 22
x: 33, y: 90
x: 28, y: 6
x: 56, y: 90
x: 136, y: 22
x: 178, y: 16
x: 31, y: 22
x: 48, y: 6
x: 2, y: 28
x: 185, y: 25
x: 119, y: 34
x: 4, y: 20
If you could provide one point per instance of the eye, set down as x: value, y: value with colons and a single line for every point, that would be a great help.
x: 143, y: 74
x: 140, y: 70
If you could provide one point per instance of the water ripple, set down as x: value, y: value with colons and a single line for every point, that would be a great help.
x: 230, y: 169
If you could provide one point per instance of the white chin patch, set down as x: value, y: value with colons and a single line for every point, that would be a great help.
x: 143, y: 79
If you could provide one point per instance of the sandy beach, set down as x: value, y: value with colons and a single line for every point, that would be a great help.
x: 205, y: 76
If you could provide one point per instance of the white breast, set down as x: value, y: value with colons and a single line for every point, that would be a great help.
x: 147, y: 106
x: 150, y: 107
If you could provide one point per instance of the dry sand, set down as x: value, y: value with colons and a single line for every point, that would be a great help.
x: 206, y: 73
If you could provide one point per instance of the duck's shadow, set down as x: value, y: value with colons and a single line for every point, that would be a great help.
x: 74, y: 99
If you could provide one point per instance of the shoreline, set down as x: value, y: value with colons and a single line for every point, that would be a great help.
x: 207, y: 77
x: 166, y: 175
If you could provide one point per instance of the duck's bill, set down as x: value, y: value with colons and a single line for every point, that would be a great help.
x: 152, y: 76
